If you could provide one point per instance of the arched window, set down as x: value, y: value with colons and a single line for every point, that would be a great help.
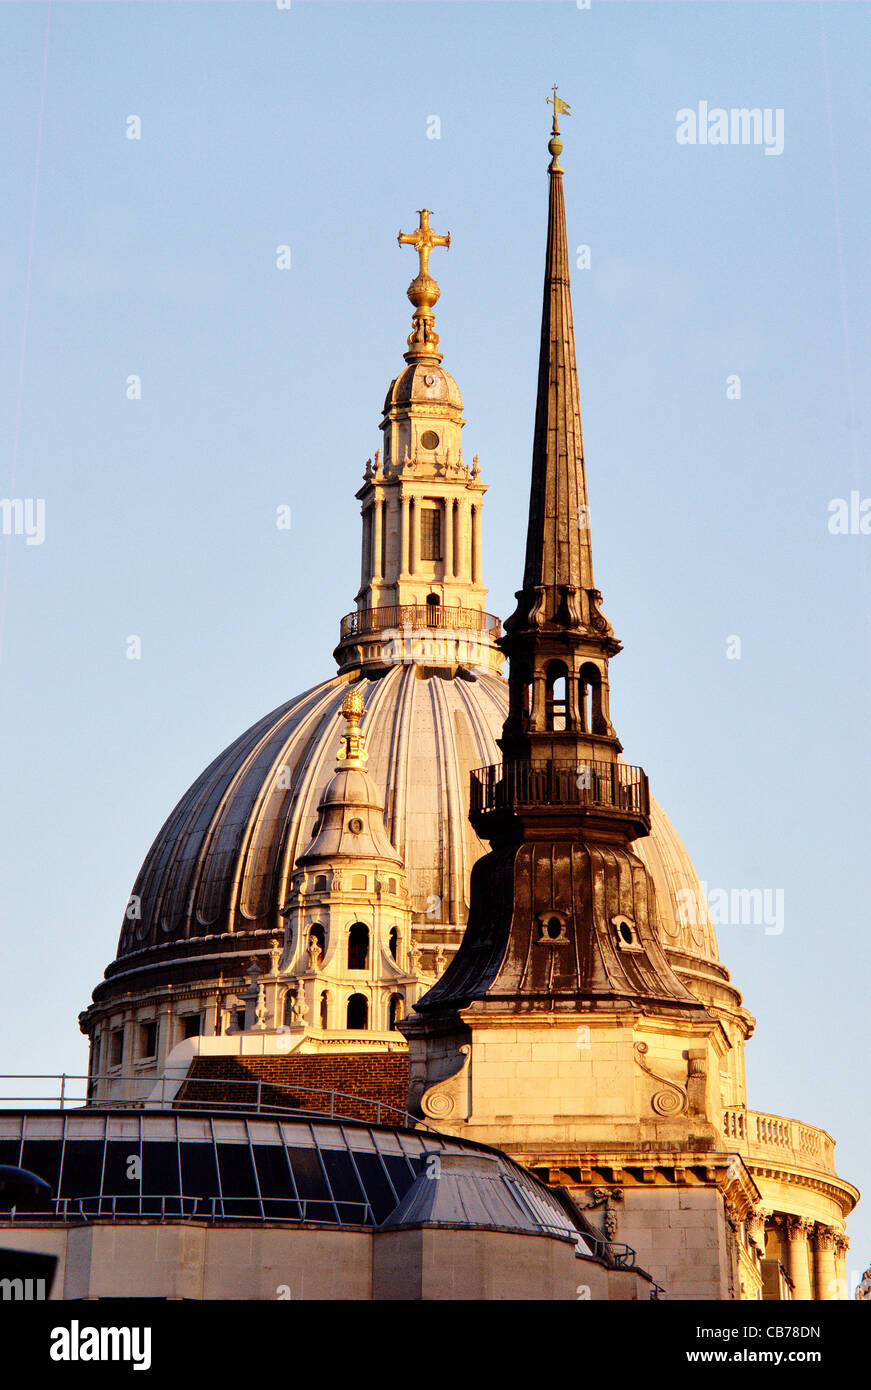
x: 325, y: 1006
x: 289, y: 999
x: 433, y: 604
x: 393, y: 941
x: 358, y: 947
x: 556, y: 709
x: 358, y: 1011
x: 397, y: 1010
x: 590, y: 699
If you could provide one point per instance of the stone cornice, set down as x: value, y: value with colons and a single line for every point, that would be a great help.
x: 844, y: 1194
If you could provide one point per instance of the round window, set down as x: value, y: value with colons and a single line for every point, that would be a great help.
x: 429, y: 439
x: 355, y: 825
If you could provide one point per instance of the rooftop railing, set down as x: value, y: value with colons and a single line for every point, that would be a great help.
x: 418, y: 615
x: 253, y: 1096
x: 538, y: 782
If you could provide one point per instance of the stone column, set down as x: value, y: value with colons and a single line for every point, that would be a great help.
x: 377, y: 527
x: 366, y: 563
x: 448, y: 543
x: 414, y: 536
x: 796, y: 1231
x: 404, y: 537
x: 841, y: 1247
x: 824, y: 1264
x: 476, y: 544
x: 460, y: 539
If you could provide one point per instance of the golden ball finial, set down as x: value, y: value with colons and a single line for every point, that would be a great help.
x: 353, y: 705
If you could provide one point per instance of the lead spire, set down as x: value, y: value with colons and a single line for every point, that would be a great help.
x: 557, y: 636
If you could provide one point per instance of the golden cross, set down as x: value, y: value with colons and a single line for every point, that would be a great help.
x: 423, y: 239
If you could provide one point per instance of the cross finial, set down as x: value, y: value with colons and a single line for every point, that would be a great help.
x: 423, y: 239
x: 423, y: 290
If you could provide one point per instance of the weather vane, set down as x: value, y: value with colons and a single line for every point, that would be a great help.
x: 560, y: 108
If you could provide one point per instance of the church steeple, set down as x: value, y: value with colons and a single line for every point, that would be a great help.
x: 558, y: 640
x: 563, y: 913
x: 422, y: 594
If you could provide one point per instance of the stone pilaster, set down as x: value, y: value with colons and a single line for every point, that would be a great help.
x: 755, y: 1223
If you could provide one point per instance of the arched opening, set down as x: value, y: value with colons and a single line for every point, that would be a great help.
x: 358, y: 947
x: 317, y: 933
x: 556, y: 708
x: 520, y: 697
x: 590, y: 699
x: 433, y: 604
x: 397, y: 1010
x: 358, y: 1012
x: 325, y: 1008
x: 289, y: 1001
x: 393, y: 941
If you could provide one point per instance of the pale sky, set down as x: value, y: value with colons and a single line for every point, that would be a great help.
x: 312, y: 127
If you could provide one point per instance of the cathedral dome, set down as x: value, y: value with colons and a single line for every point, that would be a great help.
x: 221, y: 865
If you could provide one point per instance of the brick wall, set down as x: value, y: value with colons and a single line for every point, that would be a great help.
x: 363, y: 1078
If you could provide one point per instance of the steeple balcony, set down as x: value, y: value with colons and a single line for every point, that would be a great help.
x: 427, y: 634
x: 585, y: 790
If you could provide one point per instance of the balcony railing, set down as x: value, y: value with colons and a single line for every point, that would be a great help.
x: 535, y: 782
x: 775, y: 1136
x: 418, y: 615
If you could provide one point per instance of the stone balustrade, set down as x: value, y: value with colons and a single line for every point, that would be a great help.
x: 758, y: 1135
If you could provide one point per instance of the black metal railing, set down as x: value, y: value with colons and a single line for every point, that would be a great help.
x: 107, y: 1206
x: 546, y: 782
x: 615, y: 1253
x: 249, y: 1094
x: 418, y: 615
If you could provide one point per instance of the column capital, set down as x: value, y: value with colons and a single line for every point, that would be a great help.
x: 824, y: 1237
x: 797, y: 1227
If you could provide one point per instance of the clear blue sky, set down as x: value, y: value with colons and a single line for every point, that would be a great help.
x: 308, y: 127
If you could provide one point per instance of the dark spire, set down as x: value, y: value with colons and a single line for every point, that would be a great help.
x: 558, y: 552
x: 558, y: 638
x: 563, y: 913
